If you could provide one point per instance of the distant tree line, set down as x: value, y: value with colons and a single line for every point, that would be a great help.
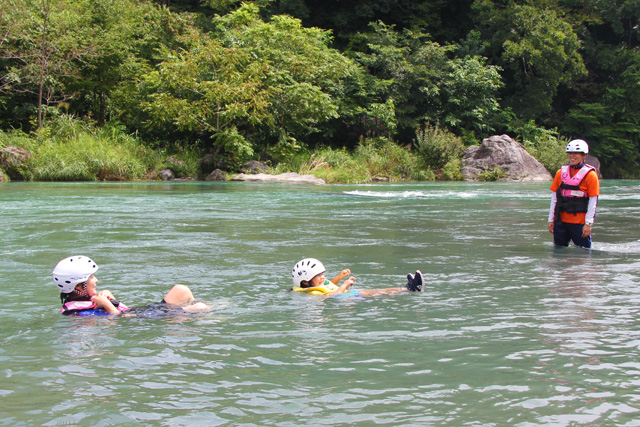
x: 267, y: 79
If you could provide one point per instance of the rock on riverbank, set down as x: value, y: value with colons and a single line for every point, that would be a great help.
x: 503, y: 152
x: 291, y: 178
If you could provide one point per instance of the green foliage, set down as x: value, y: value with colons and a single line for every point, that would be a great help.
x: 611, y: 124
x: 550, y: 152
x: 492, y: 174
x: 537, y: 46
x: 251, y: 81
x: 263, y: 81
x: 385, y: 159
x: 373, y: 159
x: 451, y: 171
x: 235, y: 145
x: 207, y: 89
x: 286, y: 148
x: 546, y: 145
x: 72, y: 151
x: 437, y: 147
x: 423, y: 83
x: 303, y: 77
x: 42, y: 44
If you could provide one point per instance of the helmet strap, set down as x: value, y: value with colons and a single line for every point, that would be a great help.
x: 84, y: 290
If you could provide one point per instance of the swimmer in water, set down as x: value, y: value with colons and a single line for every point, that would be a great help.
x: 308, y: 276
x: 76, y: 280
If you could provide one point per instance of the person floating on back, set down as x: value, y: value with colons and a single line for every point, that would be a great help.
x: 77, y: 282
x: 574, y: 199
x: 308, y: 276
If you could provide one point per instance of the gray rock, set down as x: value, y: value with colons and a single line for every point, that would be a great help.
x: 595, y: 162
x: 291, y: 178
x: 173, y: 160
x: 503, y: 152
x: 216, y: 175
x: 166, y: 175
x: 11, y: 160
x: 254, y: 167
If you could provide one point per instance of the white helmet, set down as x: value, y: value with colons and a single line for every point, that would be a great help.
x: 73, y: 270
x: 577, y: 146
x: 306, y: 270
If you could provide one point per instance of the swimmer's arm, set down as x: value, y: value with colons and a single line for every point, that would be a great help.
x: 343, y: 288
x: 101, y: 301
x: 106, y: 293
x: 344, y: 273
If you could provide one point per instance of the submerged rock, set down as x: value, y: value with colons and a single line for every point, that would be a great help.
x: 291, y: 177
x: 507, y: 154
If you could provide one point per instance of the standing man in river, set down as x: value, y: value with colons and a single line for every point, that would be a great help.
x: 574, y: 200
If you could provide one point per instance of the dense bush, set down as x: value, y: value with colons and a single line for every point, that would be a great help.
x: 437, y: 147
x: 549, y: 152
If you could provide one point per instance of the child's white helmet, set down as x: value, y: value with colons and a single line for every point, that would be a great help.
x: 577, y: 146
x: 306, y: 270
x: 73, y: 270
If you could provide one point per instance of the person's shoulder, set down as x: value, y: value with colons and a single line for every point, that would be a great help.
x: 592, y: 175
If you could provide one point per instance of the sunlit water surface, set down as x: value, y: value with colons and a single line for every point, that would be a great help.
x: 509, y: 332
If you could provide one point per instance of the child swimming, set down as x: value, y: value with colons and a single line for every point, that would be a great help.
x: 308, y: 276
x: 76, y: 280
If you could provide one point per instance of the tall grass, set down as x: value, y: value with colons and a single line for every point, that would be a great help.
x: 373, y: 159
x: 70, y: 150
x: 438, y: 147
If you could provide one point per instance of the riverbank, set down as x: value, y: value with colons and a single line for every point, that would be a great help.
x: 68, y: 150
x: 109, y: 154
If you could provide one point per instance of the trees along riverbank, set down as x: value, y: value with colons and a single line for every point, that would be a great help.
x: 117, y: 88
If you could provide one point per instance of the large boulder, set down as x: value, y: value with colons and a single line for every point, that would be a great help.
x: 166, y: 175
x: 216, y: 175
x: 254, y: 167
x: 11, y: 160
x: 503, y: 152
x: 595, y: 162
x: 291, y: 178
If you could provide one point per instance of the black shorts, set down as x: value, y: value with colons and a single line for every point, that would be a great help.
x: 158, y: 309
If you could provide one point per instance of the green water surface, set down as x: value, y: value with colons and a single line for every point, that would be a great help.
x: 509, y: 332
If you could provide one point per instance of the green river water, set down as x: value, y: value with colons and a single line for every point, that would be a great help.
x: 509, y: 332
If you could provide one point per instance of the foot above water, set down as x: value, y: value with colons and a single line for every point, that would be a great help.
x: 415, y: 282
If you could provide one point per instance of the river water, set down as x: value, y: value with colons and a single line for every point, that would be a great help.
x: 509, y: 332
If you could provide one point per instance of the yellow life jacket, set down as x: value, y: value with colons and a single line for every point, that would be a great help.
x: 314, y: 290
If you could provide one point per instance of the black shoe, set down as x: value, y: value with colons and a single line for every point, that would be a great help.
x: 416, y: 282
